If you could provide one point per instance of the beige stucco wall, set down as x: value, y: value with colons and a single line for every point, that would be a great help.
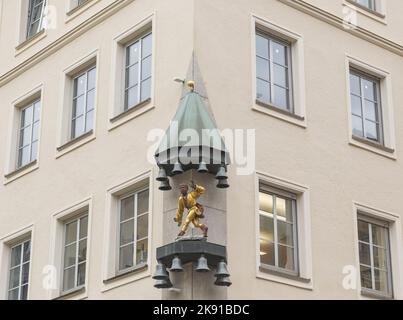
x: 220, y: 32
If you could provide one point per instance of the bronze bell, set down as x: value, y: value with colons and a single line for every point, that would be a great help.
x: 222, y: 270
x: 163, y: 284
x: 176, y: 265
x: 160, y: 272
x: 165, y: 186
x: 202, y: 265
x: 223, y: 184
x: 221, y: 174
x: 202, y: 168
x: 162, y: 175
x: 177, y: 169
x: 223, y: 282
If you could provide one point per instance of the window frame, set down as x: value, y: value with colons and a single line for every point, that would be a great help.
x: 21, y: 264
x: 135, y: 240
x: 30, y: 22
x: 382, y: 224
x: 275, y: 192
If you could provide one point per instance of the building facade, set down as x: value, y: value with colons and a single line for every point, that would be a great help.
x: 83, y: 84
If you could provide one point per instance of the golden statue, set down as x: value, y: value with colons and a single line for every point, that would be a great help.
x: 195, y: 210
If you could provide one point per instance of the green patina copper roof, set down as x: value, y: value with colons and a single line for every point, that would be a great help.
x: 192, y: 114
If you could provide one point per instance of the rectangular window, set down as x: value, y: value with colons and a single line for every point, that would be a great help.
x: 36, y: 12
x: 83, y: 103
x: 273, y: 72
x: 366, y: 106
x: 77, y: 3
x: 278, y: 233
x: 133, y: 230
x: 19, y: 271
x: 138, y: 71
x: 75, y: 253
x: 29, y: 134
x: 370, y: 4
x: 374, y: 250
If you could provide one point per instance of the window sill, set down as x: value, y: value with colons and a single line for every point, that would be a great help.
x: 130, y: 114
x: 71, y: 293
x: 27, y: 43
x: 373, y: 147
x: 280, y: 113
x: 373, y: 14
x: 21, y: 171
x: 375, y: 295
x: 127, y: 273
x: 267, y: 273
x: 77, y: 10
x: 131, y: 275
x: 75, y: 143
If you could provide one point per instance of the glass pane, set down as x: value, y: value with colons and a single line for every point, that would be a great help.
x: 14, y: 280
x: 25, y: 273
x: 142, y: 251
x: 371, y: 111
x: 366, y: 279
x: 262, y: 69
x: 142, y: 202
x: 132, y: 97
x: 357, y: 126
x: 267, y: 253
x: 284, y: 209
x: 355, y: 85
x: 280, y: 97
x: 363, y: 231
x: 147, y: 46
x: 146, y: 68
x: 369, y: 89
x: 27, y: 116
x: 280, y: 75
x: 381, y: 281
x: 380, y: 258
x: 126, y: 232
x: 279, y: 53
x: 13, y: 294
x: 266, y: 202
x: 89, y: 122
x: 379, y: 236
x: 262, y: 91
x: 78, y: 126
x: 68, y: 279
x: 24, y: 156
x: 83, y: 227
x: 25, y: 136
x: 34, y: 150
x: 24, y: 292
x: 35, y: 132
x: 90, y: 100
x: 70, y: 255
x: 80, y: 85
x: 285, y: 257
x: 15, y: 256
x: 266, y: 228
x: 127, y: 208
x: 356, y: 105
x: 262, y: 47
x: 27, y: 251
x: 133, y: 53
x: 91, y: 79
x: 126, y: 257
x: 71, y: 232
x: 81, y: 275
x: 365, y: 257
x: 285, y: 233
x: 132, y: 75
x: 145, y: 90
x: 82, y: 251
x: 37, y: 111
x: 371, y: 130
x: 142, y: 227
x: 78, y: 106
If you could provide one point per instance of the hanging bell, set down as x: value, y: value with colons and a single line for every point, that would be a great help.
x: 223, y: 282
x: 202, y: 168
x: 162, y: 175
x: 177, y: 169
x: 222, y: 270
x: 165, y: 186
x: 163, y: 284
x: 176, y: 265
x: 221, y: 174
x: 160, y: 272
x: 202, y: 265
x: 223, y: 184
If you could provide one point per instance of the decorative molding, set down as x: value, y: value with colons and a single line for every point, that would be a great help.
x: 63, y: 40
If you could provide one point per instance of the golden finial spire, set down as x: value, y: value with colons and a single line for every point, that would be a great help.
x: 191, y: 85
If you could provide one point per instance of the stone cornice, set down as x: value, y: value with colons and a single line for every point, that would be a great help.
x: 63, y: 40
x: 338, y: 22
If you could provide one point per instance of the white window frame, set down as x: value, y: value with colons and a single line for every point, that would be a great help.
x: 298, y: 115
x: 29, y: 18
x: 20, y: 265
x: 304, y: 279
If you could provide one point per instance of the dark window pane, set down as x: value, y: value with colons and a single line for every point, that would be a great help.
x: 381, y: 281
x: 267, y: 253
x: 127, y: 208
x: 71, y: 232
x: 365, y: 257
x: 266, y: 228
x: 13, y: 294
x: 14, y: 280
x: 82, y: 251
x: 16, y: 256
x: 363, y: 231
x: 142, y: 251
x: 379, y: 236
x: 142, y: 226
x: 83, y: 227
x: 380, y: 258
x: 69, y: 279
x: 27, y: 251
x: 126, y: 257
x: 286, y: 257
x: 24, y: 292
x: 70, y: 255
x: 25, y: 273
x: 366, y: 279
x: 285, y: 233
x: 126, y: 232
x: 81, y: 274
x: 142, y: 202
